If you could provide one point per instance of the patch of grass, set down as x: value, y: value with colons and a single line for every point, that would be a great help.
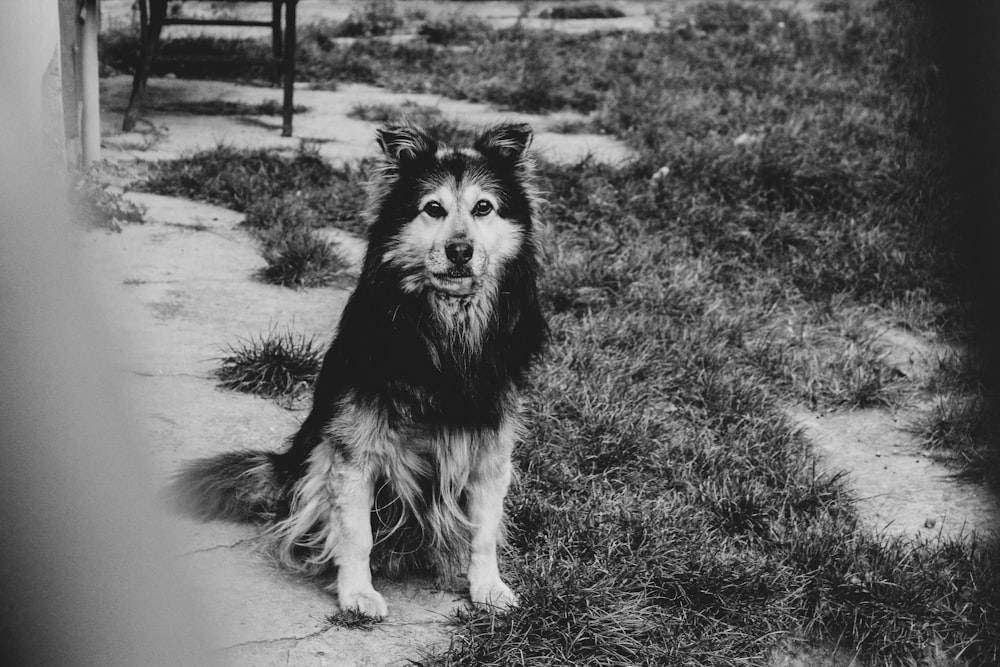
x: 581, y: 11
x: 220, y: 58
x: 245, y: 179
x: 830, y: 360
x: 374, y: 18
x: 225, y: 108
x: 279, y: 365
x: 455, y: 29
x: 430, y: 118
x: 732, y: 17
x: 961, y: 430
x: 575, y: 126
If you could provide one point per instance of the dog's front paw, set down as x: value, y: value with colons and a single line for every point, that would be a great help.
x: 368, y: 602
x: 494, y: 594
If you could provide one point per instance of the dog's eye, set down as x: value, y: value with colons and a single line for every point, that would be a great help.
x: 482, y: 208
x: 434, y: 209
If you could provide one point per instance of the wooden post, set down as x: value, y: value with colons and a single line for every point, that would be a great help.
x: 90, y: 26
x: 69, y: 61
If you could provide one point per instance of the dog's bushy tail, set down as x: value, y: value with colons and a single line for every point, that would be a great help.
x: 237, y: 486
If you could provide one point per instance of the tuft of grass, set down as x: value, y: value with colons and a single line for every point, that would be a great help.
x: 351, y: 619
x: 581, y: 11
x: 301, y: 259
x: 279, y: 365
x: 295, y: 255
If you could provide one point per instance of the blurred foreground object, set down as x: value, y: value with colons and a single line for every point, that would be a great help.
x: 87, y: 577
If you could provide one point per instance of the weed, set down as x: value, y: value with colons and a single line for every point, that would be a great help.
x: 97, y: 206
x: 280, y: 365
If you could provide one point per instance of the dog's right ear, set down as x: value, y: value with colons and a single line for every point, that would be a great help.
x: 404, y: 143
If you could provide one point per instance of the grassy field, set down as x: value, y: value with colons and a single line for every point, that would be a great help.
x: 796, y: 193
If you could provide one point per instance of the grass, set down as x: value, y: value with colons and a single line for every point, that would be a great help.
x: 804, y: 198
x: 581, y: 11
x: 280, y: 365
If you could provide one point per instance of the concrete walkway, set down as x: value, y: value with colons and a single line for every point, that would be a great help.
x: 179, y: 288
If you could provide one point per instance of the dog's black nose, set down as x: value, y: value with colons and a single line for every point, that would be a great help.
x: 458, y: 252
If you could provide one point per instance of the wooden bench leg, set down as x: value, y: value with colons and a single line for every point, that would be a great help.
x: 289, y: 68
x: 150, y: 26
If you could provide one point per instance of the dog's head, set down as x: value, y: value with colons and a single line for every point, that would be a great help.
x: 450, y: 220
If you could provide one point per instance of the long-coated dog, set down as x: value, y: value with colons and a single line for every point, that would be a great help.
x: 404, y: 460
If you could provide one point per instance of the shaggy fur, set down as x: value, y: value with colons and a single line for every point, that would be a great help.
x: 404, y: 460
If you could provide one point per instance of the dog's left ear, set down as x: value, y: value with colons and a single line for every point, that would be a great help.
x: 402, y: 143
x: 506, y: 142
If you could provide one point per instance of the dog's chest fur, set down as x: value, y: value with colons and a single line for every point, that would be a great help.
x: 463, y: 321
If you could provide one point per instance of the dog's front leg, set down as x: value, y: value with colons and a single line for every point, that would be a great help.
x: 485, y: 510
x: 353, y: 504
